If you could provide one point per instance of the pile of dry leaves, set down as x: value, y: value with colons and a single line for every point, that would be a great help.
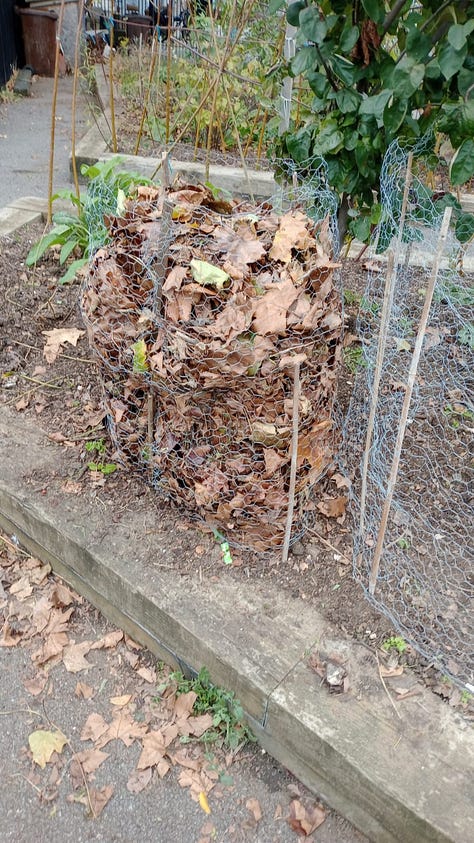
x: 213, y: 321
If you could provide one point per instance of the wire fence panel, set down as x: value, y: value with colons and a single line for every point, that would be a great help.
x: 425, y: 583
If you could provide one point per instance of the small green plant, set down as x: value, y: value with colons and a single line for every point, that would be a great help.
x: 403, y: 543
x: 228, y: 721
x: 85, y: 231
x: 456, y: 414
x: 395, y: 642
x: 466, y: 697
x: 97, y: 447
x: 354, y: 358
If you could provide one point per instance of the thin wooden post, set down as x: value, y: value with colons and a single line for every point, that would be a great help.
x: 53, y: 113
x: 392, y: 267
x: 407, y: 400
x: 294, y: 461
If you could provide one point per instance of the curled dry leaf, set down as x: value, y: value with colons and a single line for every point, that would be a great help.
x: 253, y: 805
x: 305, y: 820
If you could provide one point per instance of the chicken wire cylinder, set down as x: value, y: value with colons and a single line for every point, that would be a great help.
x: 199, y: 310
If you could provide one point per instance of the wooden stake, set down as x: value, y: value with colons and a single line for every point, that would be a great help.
x: 53, y: 114
x: 294, y: 460
x: 111, y: 90
x: 77, y: 47
x: 147, y: 92
x: 392, y: 268
x: 407, y: 400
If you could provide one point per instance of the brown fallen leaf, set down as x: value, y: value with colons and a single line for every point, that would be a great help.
x: 108, y: 641
x: 36, y: 685
x: 333, y: 507
x: 253, y: 805
x: 120, y: 702
x: 90, y: 759
x: 147, y: 673
x: 96, y: 800
x: 84, y: 691
x: 74, y: 657
x: 139, y: 779
x: 305, y: 820
x: 94, y: 727
x: 56, y: 338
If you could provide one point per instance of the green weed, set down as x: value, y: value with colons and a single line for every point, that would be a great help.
x: 97, y: 447
x: 228, y: 723
x: 395, y: 643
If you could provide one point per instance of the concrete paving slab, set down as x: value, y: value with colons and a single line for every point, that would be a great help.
x: 400, y: 777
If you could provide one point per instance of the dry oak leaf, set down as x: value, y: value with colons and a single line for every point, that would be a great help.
x: 43, y: 744
x: 121, y: 701
x: 56, y: 338
x: 155, y: 745
x: 305, y: 820
x: 147, y: 673
x: 52, y: 648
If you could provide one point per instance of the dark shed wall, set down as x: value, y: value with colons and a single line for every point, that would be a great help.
x: 10, y: 40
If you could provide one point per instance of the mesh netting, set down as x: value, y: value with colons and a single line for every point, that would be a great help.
x: 217, y: 325
x: 425, y: 582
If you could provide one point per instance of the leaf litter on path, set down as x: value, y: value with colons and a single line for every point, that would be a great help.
x: 48, y: 623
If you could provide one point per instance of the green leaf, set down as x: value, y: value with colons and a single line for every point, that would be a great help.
x: 206, y: 273
x: 275, y: 6
x: 462, y: 165
x: 66, y: 250
x: 451, y: 60
x: 375, y: 10
x: 313, y: 27
x: 140, y: 364
x: 305, y: 59
x: 407, y: 77
x: 73, y: 270
x: 375, y: 105
x: 318, y: 83
x: 347, y: 100
x: 53, y: 238
x: 298, y: 144
x: 458, y: 34
x: 344, y: 70
x: 394, y: 115
x: 293, y: 12
x: 418, y: 45
x: 329, y: 139
x: 349, y: 38
x: 360, y: 228
x: 464, y: 228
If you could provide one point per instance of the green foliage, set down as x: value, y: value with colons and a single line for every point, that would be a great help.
x: 354, y: 358
x: 394, y: 643
x: 228, y: 720
x: 98, y: 448
x: 377, y: 75
x: 83, y: 232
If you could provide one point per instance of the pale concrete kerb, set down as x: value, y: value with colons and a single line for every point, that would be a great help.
x: 405, y: 779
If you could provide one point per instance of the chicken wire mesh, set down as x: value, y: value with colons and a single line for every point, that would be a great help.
x: 208, y: 317
x: 425, y: 582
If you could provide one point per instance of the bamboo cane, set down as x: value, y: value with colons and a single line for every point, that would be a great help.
x: 382, y: 341
x: 294, y: 462
x: 53, y: 113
